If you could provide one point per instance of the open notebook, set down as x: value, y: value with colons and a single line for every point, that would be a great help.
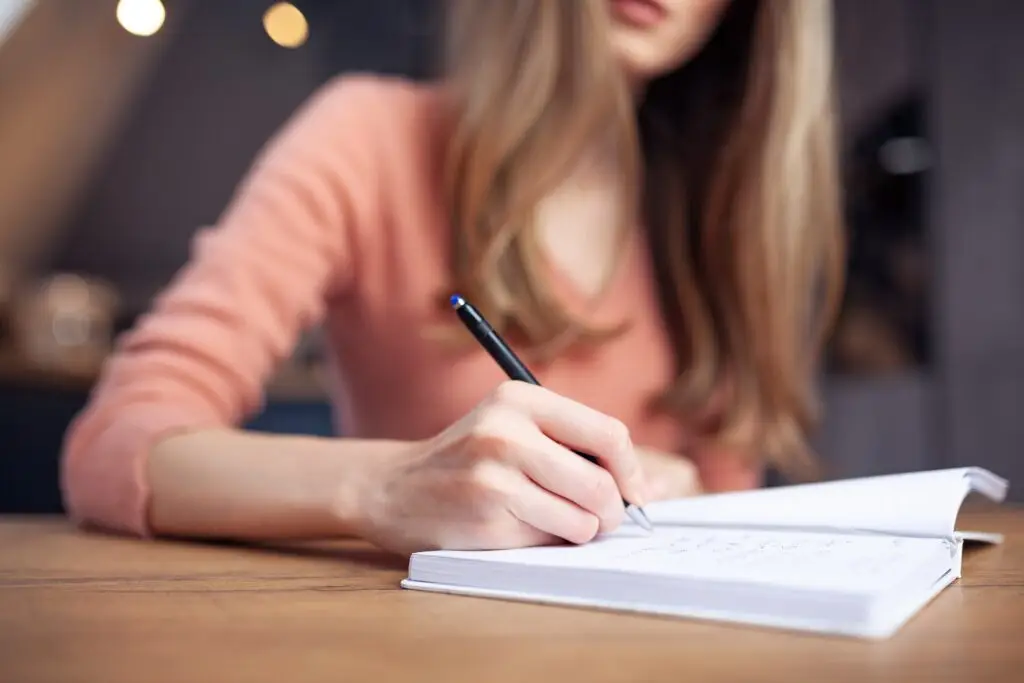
x: 855, y: 557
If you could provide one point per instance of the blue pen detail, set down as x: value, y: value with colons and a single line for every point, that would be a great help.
x: 517, y: 371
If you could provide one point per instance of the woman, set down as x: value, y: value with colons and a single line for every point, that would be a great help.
x: 641, y: 196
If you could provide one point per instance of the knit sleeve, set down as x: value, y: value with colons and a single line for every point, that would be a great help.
x: 200, y: 357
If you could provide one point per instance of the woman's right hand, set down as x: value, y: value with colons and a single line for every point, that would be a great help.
x: 503, y: 477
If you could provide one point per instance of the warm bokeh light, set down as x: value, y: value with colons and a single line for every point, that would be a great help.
x: 286, y: 25
x: 141, y: 17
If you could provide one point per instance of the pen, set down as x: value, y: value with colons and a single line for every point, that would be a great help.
x: 516, y: 370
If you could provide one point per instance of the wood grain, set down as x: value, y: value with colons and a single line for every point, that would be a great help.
x: 77, y: 606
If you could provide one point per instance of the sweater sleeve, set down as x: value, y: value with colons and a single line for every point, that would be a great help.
x: 201, y: 356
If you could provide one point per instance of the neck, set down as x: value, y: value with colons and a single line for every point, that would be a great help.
x: 599, y: 167
x: 637, y: 86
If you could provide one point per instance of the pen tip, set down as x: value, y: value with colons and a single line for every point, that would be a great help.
x: 639, y: 517
x: 457, y: 301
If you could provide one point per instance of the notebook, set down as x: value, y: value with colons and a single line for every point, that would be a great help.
x: 855, y: 557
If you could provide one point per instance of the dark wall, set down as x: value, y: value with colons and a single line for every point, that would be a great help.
x: 978, y: 212
x: 221, y: 90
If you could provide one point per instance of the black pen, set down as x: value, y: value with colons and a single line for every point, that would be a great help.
x: 516, y: 370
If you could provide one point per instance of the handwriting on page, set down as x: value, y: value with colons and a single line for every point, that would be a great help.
x: 767, y: 554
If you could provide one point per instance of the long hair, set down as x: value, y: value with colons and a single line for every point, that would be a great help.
x: 731, y: 162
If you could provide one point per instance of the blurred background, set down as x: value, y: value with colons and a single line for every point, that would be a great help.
x: 126, y: 124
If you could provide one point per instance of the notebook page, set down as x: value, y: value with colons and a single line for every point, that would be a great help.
x: 914, y: 504
x: 861, y: 564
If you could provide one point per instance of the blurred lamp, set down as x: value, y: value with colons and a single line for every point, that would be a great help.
x: 141, y: 17
x: 286, y: 25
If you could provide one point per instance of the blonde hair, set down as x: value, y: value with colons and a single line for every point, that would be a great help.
x: 740, y: 196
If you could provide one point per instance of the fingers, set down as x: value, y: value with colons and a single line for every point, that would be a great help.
x: 549, y: 514
x: 565, y: 474
x: 524, y: 483
x: 581, y: 428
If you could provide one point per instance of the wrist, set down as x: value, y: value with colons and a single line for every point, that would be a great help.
x: 360, y: 483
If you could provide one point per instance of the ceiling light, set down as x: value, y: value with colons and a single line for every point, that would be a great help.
x: 286, y: 25
x: 141, y: 17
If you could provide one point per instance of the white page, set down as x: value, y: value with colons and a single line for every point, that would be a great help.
x: 914, y: 504
x: 817, y: 561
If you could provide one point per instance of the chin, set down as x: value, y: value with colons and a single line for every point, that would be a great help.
x: 650, y: 51
x: 640, y: 65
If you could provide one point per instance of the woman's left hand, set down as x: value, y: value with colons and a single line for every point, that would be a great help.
x: 668, y: 475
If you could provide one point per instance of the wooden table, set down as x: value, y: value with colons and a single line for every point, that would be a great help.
x: 84, y: 607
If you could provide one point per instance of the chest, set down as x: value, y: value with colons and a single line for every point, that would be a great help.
x: 394, y: 377
x: 579, y: 237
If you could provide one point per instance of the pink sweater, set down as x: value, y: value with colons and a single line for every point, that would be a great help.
x: 340, y: 223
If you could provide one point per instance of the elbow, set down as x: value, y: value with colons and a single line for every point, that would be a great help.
x: 100, y: 480
x: 155, y: 385
x: 103, y: 479
x: 75, y: 446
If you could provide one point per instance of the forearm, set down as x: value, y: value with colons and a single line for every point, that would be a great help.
x: 251, y: 486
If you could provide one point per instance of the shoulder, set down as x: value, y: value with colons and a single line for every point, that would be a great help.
x: 358, y: 150
x: 378, y: 92
x: 368, y: 104
x: 361, y: 125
